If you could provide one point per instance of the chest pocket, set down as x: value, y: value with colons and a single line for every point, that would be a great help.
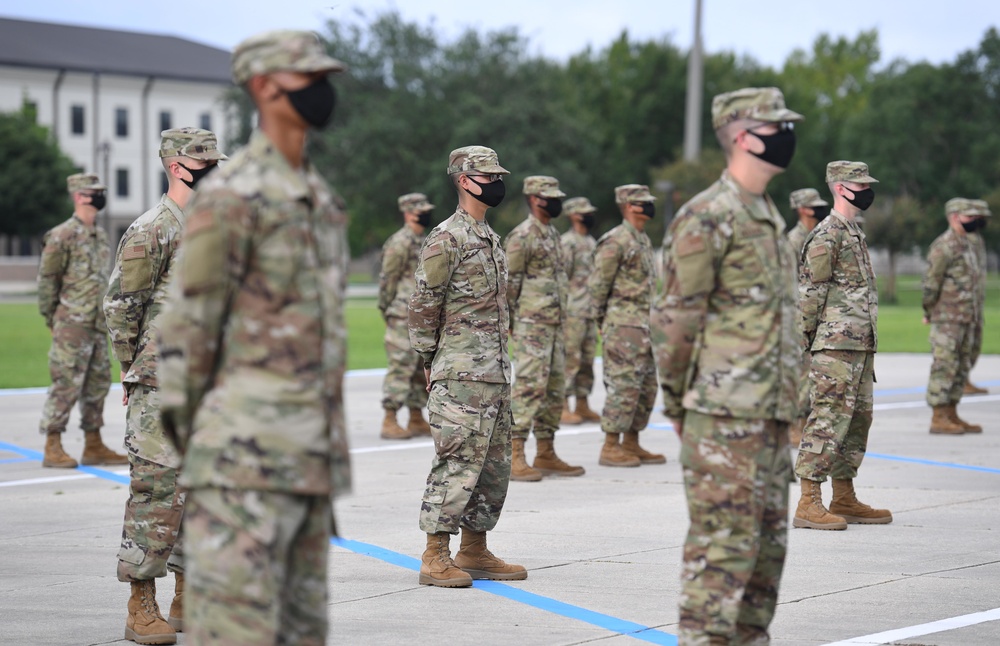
x: 852, y: 264
x: 479, y: 269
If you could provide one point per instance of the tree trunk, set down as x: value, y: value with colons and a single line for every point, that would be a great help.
x: 890, y: 280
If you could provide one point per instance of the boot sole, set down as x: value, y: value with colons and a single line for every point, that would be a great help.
x: 177, y: 623
x: 483, y: 575
x: 566, y: 474
x: 808, y: 524
x: 860, y: 520
x: 939, y: 431
x: 164, y: 638
x: 444, y: 583
x: 91, y: 462
x: 526, y: 478
x: 52, y: 465
x: 606, y: 463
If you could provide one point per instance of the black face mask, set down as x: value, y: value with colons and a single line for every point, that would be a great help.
x: 492, y: 194
x: 196, y: 174
x: 648, y: 209
x: 981, y: 224
x: 99, y: 201
x: 315, y: 102
x: 862, y: 199
x: 779, y: 148
x: 553, y: 206
x: 970, y: 227
x: 424, y: 218
x: 588, y: 221
x: 820, y: 212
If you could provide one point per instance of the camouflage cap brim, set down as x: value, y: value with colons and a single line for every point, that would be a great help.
x: 282, y: 51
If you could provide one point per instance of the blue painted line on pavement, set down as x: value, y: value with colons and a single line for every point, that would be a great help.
x: 547, y: 604
x: 14, y: 460
x: 932, y: 463
x: 30, y: 454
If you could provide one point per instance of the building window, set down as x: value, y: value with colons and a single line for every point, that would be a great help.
x: 206, y: 121
x: 165, y: 120
x: 121, y: 122
x: 76, y: 115
x: 121, y: 182
x: 164, y: 184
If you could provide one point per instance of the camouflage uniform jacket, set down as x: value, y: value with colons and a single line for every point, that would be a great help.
x: 253, y: 344
x: 458, y: 314
x: 726, y: 323
x: 979, y: 246
x: 797, y: 238
x: 537, y: 288
x: 952, y: 280
x: 399, y: 264
x: 837, y: 290
x: 578, y: 258
x: 138, y: 288
x: 621, y: 282
x: 73, y: 274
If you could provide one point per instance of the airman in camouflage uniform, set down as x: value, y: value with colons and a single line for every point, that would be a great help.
x: 726, y: 334
x: 580, y: 330
x: 404, y: 383
x: 459, y: 321
x: 979, y: 246
x: 252, y: 357
x: 811, y: 209
x: 72, y: 277
x: 621, y: 289
x: 136, y: 296
x: 951, y: 306
x: 536, y: 296
x: 839, y: 301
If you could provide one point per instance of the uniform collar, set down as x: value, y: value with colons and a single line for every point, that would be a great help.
x: 852, y: 225
x: 296, y: 183
x: 172, y: 206
x: 751, y: 202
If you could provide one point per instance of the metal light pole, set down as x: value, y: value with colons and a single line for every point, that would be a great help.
x: 695, y: 88
x: 104, y: 149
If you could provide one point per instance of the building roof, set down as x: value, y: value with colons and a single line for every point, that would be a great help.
x: 47, y: 45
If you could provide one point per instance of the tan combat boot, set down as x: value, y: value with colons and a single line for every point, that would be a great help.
x: 478, y: 562
x: 613, y: 455
x: 54, y: 455
x: 145, y: 624
x: 519, y: 469
x: 847, y: 505
x: 630, y: 444
x: 417, y: 425
x: 568, y: 416
x: 94, y: 451
x: 176, y: 615
x: 972, y: 389
x: 966, y: 426
x: 391, y: 430
x: 436, y: 566
x: 583, y: 410
x: 811, y: 514
x: 943, y: 424
x: 795, y: 432
x: 550, y: 464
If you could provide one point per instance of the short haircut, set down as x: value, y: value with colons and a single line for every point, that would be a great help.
x: 727, y: 133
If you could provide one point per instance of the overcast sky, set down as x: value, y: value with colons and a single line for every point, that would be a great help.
x: 931, y: 30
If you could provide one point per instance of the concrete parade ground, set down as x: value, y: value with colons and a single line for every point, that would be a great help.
x: 603, y: 551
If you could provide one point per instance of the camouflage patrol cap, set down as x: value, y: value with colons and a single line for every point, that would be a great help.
x: 849, y: 171
x: 633, y: 193
x: 282, y: 50
x: 475, y: 158
x: 190, y: 142
x: 982, y: 207
x: 578, y: 205
x: 84, y: 182
x: 806, y: 197
x: 756, y: 103
x: 414, y: 202
x: 542, y: 186
x: 961, y: 206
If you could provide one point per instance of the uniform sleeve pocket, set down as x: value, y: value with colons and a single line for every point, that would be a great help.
x: 137, y: 269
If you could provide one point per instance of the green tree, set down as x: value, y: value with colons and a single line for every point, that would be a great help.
x: 897, y: 225
x: 33, y: 174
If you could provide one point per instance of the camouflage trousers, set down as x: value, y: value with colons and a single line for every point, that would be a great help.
x: 80, y: 371
x: 951, y: 346
x: 804, y: 387
x: 256, y: 567
x: 977, y: 343
x: 404, y: 383
x: 836, y: 434
x: 581, y: 345
x: 736, y: 475
x: 629, y: 379
x: 467, y: 485
x: 151, y: 533
x: 537, y: 395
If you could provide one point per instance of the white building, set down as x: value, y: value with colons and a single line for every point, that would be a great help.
x: 106, y: 95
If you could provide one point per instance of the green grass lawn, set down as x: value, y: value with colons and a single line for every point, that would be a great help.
x: 24, y: 341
